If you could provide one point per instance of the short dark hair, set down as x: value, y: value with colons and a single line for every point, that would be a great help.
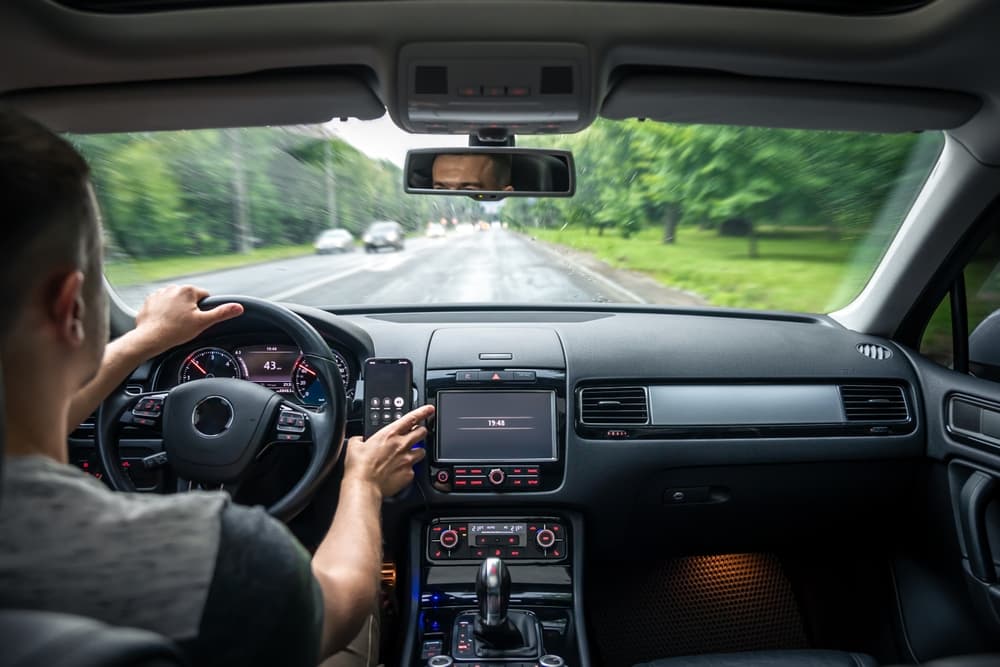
x: 46, y: 207
x: 501, y: 170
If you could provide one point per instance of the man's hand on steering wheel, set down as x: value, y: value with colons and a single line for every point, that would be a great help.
x: 170, y: 316
x: 386, y: 459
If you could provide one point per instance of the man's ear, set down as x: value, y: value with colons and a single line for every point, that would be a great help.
x: 67, y: 308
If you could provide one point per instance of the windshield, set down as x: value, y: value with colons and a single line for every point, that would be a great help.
x: 663, y: 214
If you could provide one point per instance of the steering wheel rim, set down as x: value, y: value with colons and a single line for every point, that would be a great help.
x: 327, y: 424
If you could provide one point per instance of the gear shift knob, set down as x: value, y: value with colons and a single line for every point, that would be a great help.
x: 493, y: 592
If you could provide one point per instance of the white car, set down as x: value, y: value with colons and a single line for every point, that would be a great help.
x: 334, y: 240
x: 435, y: 230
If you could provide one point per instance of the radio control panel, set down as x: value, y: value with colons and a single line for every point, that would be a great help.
x: 537, y: 540
x: 517, y: 477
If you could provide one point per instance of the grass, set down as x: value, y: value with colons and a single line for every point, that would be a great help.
x: 799, y: 271
x: 135, y: 272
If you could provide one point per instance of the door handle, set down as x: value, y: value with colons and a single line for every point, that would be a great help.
x: 977, y: 492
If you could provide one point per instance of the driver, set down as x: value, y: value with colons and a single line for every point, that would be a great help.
x: 230, y: 584
x: 472, y: 171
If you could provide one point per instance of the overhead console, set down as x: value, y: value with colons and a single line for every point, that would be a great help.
x: 500, y: 396
x: 521, y: 87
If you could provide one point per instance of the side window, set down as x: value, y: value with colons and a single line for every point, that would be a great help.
x: 982, y: 289
x: 938, y: 343
x: 975, y: 300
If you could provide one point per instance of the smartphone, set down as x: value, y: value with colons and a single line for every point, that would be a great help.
x: 388, y: 392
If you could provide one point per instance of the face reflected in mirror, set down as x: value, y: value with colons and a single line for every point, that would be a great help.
x: 472, y: 171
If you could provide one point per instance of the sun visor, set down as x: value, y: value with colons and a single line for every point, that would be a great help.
x: 719, y: 99
x: 272, y: 98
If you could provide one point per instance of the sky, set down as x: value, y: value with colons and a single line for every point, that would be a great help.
x: 381, y: 139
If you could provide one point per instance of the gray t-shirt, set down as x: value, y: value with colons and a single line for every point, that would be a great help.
x: 229, y: 583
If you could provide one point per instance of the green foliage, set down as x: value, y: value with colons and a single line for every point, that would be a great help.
x: 633, y: 175
x: 174, y: 194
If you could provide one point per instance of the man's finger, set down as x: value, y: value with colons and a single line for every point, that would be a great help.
x: 407, y: 440
x: 198, y: 292
x: 417, y: 455
x: 407, y: 422
x: 355, y: 441
x: 413, y: 437
x: 226, y: 311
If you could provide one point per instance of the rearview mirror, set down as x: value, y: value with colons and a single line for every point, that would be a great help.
x: 489, y: 174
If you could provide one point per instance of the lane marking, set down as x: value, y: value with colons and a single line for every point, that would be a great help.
x: 374, y: 264
x: 305, y: 287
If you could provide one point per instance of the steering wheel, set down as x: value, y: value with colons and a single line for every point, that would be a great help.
x: 213, y: 429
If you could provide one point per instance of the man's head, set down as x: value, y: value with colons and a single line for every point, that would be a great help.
x: 50, y: 279
x: 472, y: 171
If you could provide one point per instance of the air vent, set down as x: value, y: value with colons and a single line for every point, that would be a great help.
x: 870, y: 403
x: 873, y: 351
x: 614, y: 406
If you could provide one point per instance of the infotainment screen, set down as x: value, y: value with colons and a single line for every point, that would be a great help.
x: 496, y: 426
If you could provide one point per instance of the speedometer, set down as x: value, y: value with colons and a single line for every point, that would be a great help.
x: 306, y: 382
x: 208, y: 362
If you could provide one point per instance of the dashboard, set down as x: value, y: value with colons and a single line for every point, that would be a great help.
x: 655, y: 422
x: 264, y: 360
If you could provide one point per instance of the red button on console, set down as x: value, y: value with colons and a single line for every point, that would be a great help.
x: 449, y: 539
x: 545, y: 538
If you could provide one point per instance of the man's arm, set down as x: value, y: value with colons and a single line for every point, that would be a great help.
x: 169, y: 317
x: 348, y: 561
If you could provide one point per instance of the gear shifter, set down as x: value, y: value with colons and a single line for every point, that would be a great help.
x: 493, y: 593
x: 499, y: 634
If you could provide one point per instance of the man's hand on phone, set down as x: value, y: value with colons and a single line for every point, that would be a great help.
x: 386, y: 459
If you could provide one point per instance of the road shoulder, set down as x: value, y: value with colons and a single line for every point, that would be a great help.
x: 634, y: 285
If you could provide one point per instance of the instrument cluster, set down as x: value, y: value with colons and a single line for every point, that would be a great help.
x: 279, y: 367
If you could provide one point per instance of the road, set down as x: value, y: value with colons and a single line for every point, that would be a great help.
x: 494, y: 266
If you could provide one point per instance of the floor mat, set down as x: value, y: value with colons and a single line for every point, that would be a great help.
x: 686, y: 606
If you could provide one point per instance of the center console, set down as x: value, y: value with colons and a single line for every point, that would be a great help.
x: 495, y: 568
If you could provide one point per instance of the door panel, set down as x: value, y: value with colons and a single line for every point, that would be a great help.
x: 960, y: 435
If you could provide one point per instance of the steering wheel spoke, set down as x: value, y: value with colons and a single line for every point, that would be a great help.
x: 147, y: 411
x: 292, y: 425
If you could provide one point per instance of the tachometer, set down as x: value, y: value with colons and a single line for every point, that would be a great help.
x: 208, y: 362
x: 306, y: 382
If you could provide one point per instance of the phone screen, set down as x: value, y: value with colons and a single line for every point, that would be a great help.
x: 388, y: 392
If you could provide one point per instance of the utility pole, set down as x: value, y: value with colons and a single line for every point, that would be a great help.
x: 331, y: 182
x: 241, y: 208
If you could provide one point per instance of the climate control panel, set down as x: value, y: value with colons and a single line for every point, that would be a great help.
x: 537, y: 539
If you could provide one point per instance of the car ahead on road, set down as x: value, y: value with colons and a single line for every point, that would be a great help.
x: 384, y: 234
x: 435, y: 230
x: 334, y: 240
x: 737, y: 391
